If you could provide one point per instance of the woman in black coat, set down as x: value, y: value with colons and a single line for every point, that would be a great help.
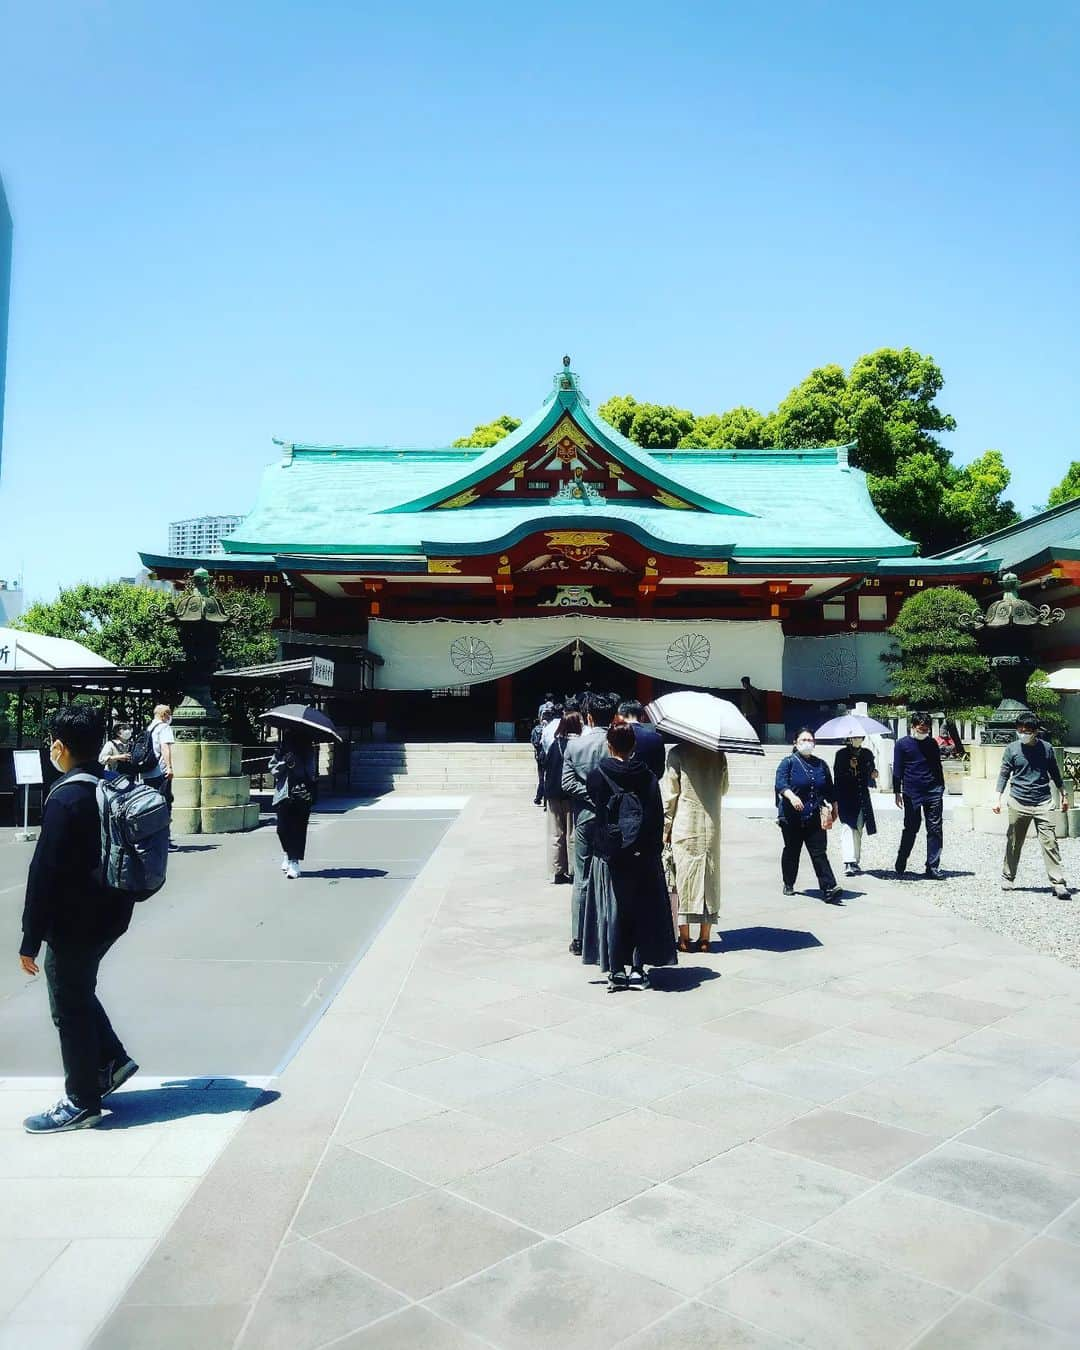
x: 295, y: 772
x: 804, y: 786
x: 855, y: 774
x: 628, y: 910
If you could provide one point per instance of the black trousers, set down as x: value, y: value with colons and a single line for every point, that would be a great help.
x: 808, y: 833
x: 930, y: 810
x: 292, y: 823
x: 87, y: 1041
x: 539, y: 780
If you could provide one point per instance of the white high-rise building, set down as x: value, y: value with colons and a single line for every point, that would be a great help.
x: 200, y: 537
x: 5, y: 294
x: 11, y: 601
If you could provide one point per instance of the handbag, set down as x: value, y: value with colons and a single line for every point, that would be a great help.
x: 826, y: 816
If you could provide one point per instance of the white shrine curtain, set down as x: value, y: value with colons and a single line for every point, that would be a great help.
x: 710, y: 653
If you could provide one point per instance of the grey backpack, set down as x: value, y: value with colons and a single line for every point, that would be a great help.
x: 134, y: 835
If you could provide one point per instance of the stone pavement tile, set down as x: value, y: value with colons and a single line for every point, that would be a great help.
x: 413, y: 1329
x: 60, y: 1335
x: 552, y: 1295
x: 675, y: 1238
x: 644, y: 1143
x: 376, y: 1106
x: 858, y: 1050
x: 536, y: 1009
x: 392, y: 1053
x: 1056, y: 1022
x: 921, y: 1236
x: 546, y: 1110
x: 614, y: 1029
x: 311, y: 1297
x: 549, y: 1189
x: 975, y: 1012
x: 629, y: 1077
x: 136, y: 1327
x: 460, y: 1079
x: 830, y: 1300
x: 1013, y: 985
x: 1036, y: 1060
x: 1006, y: 1188
x: 23, y: 1262
x: 545, y: 1051
x: 763, y: 1028
x: 1041, y: 1282
x: 347, y: 1184
x: 717, y: 997
x: 442, y: 1147
x: 425, y: 1244
x: 1058, y: 1096
x: 778, y: 1188
x: 940, y: 1094
x: 793, y: 1072
x: 89, y: 1153
x: 1027, y: 1134
x: 826, y: 1008
x: 457, y: 1030
x: 467, y: 992
x: 851, y: 1143
x: 977, y: 1326
x: 699, y: 1051
x: 929, y: 1032
x: 183, y: 1153
x: 1067, y: 1228
x: 733, y: 1111
x: 84, y: 1282
x: 85, y: 1207
x: 695, y: 1326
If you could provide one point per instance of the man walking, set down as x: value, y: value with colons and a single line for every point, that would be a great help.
x: 1028, y: 767
x: 920, y: 790
x: 68, y: 908
x: 583, y: 754
x: 163, y: 738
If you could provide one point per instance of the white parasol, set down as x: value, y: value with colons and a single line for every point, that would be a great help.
x: 692, y: 715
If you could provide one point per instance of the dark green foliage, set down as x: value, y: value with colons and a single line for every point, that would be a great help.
x: 487, y: 434
x: 1046, y: 704
x: 1068, y: 488
x: 939, y: 665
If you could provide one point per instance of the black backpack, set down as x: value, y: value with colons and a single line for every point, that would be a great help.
x: 144, y: 757
x: 621, y: 822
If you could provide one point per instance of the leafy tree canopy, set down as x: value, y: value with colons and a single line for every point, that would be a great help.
x: 1068, y: 488
x: 490, y: 433
x: 129, y: 625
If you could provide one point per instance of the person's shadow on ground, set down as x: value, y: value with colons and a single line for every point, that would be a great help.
x: 912, y: 874
x: 680, y: 979
x: 344, y: 873
x: 767, y: 940
x: 195, y: 848
x: 181, y: 1099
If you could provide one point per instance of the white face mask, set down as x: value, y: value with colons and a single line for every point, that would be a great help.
x: 805, y: 747
x: 1027, y: 737
x: 856, y: 742
x: 52, y: 760
x: 920, y: 735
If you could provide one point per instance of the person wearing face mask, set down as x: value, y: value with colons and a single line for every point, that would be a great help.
x: 804, y: 793
x: 68, y: 909
x: 854, y: 773
x: 1028, y: 767
x: 920, y: 792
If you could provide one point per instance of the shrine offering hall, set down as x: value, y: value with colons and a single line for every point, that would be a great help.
x: 565, y: 557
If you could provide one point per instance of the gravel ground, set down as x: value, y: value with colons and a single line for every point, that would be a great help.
x: 1030, y: 913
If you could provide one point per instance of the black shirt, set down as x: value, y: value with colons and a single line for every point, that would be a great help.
x: 66, y: 905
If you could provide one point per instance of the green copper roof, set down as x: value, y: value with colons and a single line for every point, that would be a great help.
x: 322, y: 500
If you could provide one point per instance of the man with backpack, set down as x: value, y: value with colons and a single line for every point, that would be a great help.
x: 101, y: 848
x: 583, y: 754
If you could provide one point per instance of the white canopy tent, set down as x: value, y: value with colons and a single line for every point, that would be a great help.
x: 1066, y: 680
x: 30, y: 651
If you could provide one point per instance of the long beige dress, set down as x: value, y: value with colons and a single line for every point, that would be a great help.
x: 693, y: 787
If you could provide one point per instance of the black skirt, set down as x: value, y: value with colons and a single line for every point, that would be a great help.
x: 628, y: 914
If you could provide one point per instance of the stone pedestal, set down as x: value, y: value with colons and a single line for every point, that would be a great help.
x: 980, y: 794
x: 210, y: 794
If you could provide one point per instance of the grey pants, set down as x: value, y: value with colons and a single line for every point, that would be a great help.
x: 560, y: 823
x: 1020, y: 817
x: 582, y: 867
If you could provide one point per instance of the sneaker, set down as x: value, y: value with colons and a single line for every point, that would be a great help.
x: 1006, y: 883
x: 900, y: 868
x: 851, y: 870
x: 789, y: 890
x: 293, y: 870
x: 284, y: 862
x: 1063, y: 892
x: 575, y: 948
x: 115, y: 1074
x: 934, y: 874
x: 65, y: 1115
x: 832, y: 895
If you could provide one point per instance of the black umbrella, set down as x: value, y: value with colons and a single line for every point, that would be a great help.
x: 299, y: 717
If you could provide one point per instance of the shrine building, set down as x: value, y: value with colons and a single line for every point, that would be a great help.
x: 472, y: 581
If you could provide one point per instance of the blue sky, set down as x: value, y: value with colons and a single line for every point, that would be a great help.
x: 384, y: 223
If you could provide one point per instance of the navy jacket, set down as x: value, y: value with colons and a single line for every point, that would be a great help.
x: 917, y: 772
x: 66, y: 905
x: 649, y: 748
x: 809, y: 778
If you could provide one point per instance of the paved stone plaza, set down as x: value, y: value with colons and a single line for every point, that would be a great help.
x: 856, y: 1127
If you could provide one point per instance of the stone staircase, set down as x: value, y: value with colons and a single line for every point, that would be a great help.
x: 470, y: 766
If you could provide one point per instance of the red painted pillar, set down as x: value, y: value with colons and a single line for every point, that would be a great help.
x: 774, y: 711
x: 644, y: 689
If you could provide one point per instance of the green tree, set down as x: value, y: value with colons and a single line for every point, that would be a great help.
x: 1068, y: 488
x: 129, y: 625
x: 813, y: 413
x: 487, y: 434
x: 888, y: 409
x: 739, y: 428
x: 1046, y: 704
x: 939, y: 665
x: 653, y: 426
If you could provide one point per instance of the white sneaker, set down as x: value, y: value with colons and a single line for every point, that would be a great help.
x: 284, y: 862
x: 293, y: 870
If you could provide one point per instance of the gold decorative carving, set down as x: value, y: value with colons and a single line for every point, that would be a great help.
x: 577, y: 545
x: 462, y: 499
x: 444, y: 567
x: 517, y: 469
x: 711, y: 569
x: 666, y: 499
x: 568, y: 430
x: 616, y: 470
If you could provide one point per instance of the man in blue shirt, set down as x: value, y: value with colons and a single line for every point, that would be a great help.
x: 920, y: 790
